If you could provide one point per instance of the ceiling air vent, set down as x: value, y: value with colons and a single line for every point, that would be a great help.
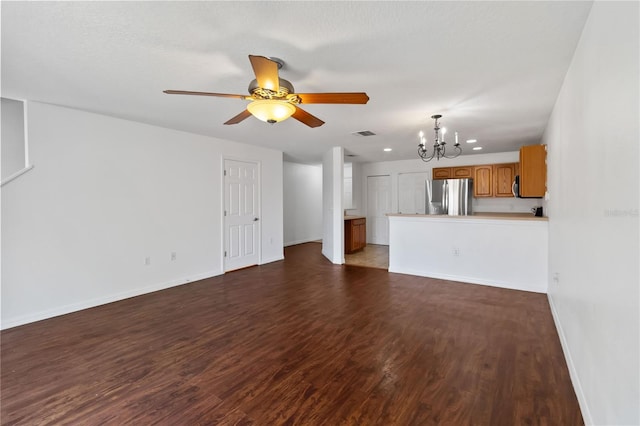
x: 364, y: 133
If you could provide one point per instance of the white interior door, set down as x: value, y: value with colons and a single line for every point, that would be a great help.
x: 378, y: 205
x: 411, y: 192
x: 241, y: 214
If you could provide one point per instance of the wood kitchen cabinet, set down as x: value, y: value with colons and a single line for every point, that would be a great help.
x: 441, y: 172
x: 355, y: 234
x: 533, y: 171
x: 462, y: 172
x: 503, y: 177
x: 483, y: 181
x: 452, y: 172
x: 489, y: 180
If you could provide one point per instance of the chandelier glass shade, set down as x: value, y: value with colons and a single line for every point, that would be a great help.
x: 271, y: 110
x: 439, y: 146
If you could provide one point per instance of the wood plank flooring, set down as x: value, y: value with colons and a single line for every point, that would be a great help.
x: 296, y: 342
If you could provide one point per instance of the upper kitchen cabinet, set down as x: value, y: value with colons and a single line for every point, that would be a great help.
x: 503, y: 177
x: 441, y: 172
x: 452, y: 172
x: 483, y: 181
x: 462, y: 172
x: 533, y: 171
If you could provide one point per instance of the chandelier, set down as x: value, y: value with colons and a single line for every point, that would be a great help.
x: 439, y: 145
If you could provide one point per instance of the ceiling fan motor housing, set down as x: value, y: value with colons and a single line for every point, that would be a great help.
x: 261, y: 93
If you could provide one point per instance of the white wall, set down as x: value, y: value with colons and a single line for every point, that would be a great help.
x: 107, y: 193
x: 593, y: 159
x: 302, y: 203
x: 357, y: 208
x: 12, y: 152
x: 333, y: 214
x: 394, y: 168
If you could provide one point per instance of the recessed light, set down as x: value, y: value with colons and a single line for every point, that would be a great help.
x: 387, y: 149
x: 472, y: 140
x: 477, y: 148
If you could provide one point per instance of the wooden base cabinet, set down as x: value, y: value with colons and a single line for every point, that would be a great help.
x: 355, y: 234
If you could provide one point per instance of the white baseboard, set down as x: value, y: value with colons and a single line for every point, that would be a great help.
x: 91, y: 303
x: 271, y: 259
x: 333, y: 259
x: 293, y: 243
x: 535, y: 288
x: 573, y: 373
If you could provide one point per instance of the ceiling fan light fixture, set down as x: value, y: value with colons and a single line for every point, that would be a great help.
x: 271, y: 110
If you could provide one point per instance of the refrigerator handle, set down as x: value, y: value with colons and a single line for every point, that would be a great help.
x: 445, y: 197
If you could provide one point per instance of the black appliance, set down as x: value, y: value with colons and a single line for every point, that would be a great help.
x: 515, y: 188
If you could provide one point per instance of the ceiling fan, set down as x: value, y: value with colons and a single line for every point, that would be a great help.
x: 273, y: 99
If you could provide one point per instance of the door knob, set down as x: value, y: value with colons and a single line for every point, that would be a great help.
x: 255, y: 219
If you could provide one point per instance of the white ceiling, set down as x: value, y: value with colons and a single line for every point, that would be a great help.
x: 492, y: 69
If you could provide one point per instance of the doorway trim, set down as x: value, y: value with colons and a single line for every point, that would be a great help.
x: 223, y: 208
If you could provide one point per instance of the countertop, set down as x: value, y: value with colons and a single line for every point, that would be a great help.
x: 479, y: 215
x: 348, y: 217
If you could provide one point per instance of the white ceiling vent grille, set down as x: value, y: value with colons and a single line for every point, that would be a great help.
x: 364, y: 133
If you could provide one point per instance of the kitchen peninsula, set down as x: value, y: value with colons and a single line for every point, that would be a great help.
x: 501, y: 250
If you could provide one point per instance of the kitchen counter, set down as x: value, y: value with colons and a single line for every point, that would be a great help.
x: 502, y: 250
x: 479, y: 215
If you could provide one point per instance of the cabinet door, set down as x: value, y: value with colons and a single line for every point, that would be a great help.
x: 533, y: 171
x: 442, y: 173
x: 462, y: 172
x: 482, y: 181
x: 355, y: 235
x: 348, y: 236
x: 362, y: 235
x: 503, y: 176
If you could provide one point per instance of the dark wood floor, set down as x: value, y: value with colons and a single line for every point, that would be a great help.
x: 295, y: 342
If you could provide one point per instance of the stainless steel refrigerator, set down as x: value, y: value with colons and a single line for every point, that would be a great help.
x: 449, y: 196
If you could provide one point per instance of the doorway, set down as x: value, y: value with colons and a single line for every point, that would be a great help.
x: 378, y: 205
x: 376, y: 253
x: 241, y: 214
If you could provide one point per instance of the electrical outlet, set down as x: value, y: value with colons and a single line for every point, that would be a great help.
x: 174, y: 256
x: 456, y: 251
x: 147, y: 261
x: 556, y: 278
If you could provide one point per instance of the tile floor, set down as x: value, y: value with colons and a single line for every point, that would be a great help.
x: 372, y: 256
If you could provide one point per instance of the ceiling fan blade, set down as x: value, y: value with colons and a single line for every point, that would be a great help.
x: 221, y: 95
x: 266, y: 72
x: 334, y: 98
x: 306, y: 118
x: 238, y: 118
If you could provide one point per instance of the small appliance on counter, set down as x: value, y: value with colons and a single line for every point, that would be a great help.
x: 537, y: 211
